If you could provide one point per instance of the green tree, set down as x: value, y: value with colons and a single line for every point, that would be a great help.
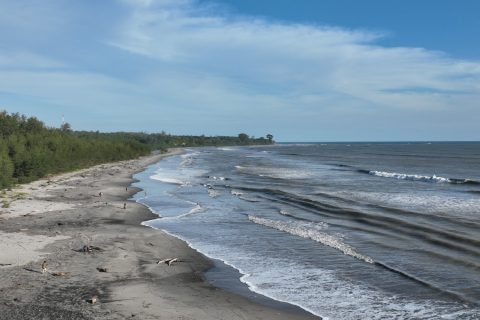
x: 243, y: 137
x: 6, y: 168
x: 29, y: 150
x: 66, y: 127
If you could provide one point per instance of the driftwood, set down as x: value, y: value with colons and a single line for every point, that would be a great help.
x: 168, y: 261
x: 60, y: 274
x: 89, y: 249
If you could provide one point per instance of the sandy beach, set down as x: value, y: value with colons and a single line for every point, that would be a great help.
x: 101, y: 263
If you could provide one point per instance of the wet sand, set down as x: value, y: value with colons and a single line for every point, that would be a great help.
x: 97, y: 251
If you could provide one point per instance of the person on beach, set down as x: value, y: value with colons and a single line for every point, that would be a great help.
x: 124, y: 205
x: 44, y: 266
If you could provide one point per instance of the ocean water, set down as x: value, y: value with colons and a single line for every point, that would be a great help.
x: 345, y: 231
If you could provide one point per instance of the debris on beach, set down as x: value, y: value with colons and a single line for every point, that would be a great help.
x: 93, y: 300
x: 86, y: 248
x: 89, y: 249
x: 60, y: 274
x: 101, y: 269
x: 168, y: 261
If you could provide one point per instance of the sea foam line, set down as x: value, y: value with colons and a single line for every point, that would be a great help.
x: 411, y: 177
x: 306, y: 231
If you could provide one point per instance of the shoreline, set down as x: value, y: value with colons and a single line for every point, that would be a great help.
x: 85, y: 209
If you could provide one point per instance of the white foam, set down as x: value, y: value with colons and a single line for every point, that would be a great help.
x: 190, y: 154
x: 320, y: 291
x: 212, y: 193
x: 325, y: 295
x: 186, y: 162
x: 169, y: 180
x: 411, y: 177
x: 317, y: 290
x: 197, y: 209
x: 151, y: 209
x: 218, y: 178
x: 311, y: 231
x: 236, y: 193
x: 182, y: 176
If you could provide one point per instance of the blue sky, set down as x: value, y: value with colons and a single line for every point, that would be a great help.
x: 443, y: 25
x: 304, y: 70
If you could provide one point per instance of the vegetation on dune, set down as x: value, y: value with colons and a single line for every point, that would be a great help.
x: 29, y: 150
x: 163, y: 141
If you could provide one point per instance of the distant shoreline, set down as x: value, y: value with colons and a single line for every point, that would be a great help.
x: 376, y: 142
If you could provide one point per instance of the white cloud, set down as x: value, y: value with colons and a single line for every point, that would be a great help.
x: 300, y: 60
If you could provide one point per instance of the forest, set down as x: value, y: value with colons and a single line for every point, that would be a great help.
x: 29, y: 150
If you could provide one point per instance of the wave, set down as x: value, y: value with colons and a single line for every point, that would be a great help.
x: 314, y: 232
x: 281, y: 173
x: 311, y: 231
x: 411, y: 177
x: 425, y: 283
x: 415, y: 177
x: 186, y: 162
x: 391, y: 219
x: 182, y: 175
x: 168, y: 180
x: 288, y: 214
x: 197, y: 209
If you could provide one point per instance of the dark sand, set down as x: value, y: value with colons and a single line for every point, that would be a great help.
x: 57, y: 218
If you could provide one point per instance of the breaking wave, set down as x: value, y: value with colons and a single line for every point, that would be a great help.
x: 311, y: 231
x: 196, y: 209
x: 415, y: 177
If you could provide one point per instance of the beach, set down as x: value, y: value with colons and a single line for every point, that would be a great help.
x: 100, y: 262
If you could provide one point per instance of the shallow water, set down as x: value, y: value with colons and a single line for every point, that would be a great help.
x: 346, y: 231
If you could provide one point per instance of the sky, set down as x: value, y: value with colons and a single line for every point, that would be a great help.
x: 302, y: 70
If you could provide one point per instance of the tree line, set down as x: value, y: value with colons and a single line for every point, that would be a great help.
x: 162, y: 141
x: 29, y: 150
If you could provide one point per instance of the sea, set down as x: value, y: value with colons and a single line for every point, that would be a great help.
x: 341, y: 230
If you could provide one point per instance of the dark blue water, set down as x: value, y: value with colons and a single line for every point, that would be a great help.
x: 346, y: 231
